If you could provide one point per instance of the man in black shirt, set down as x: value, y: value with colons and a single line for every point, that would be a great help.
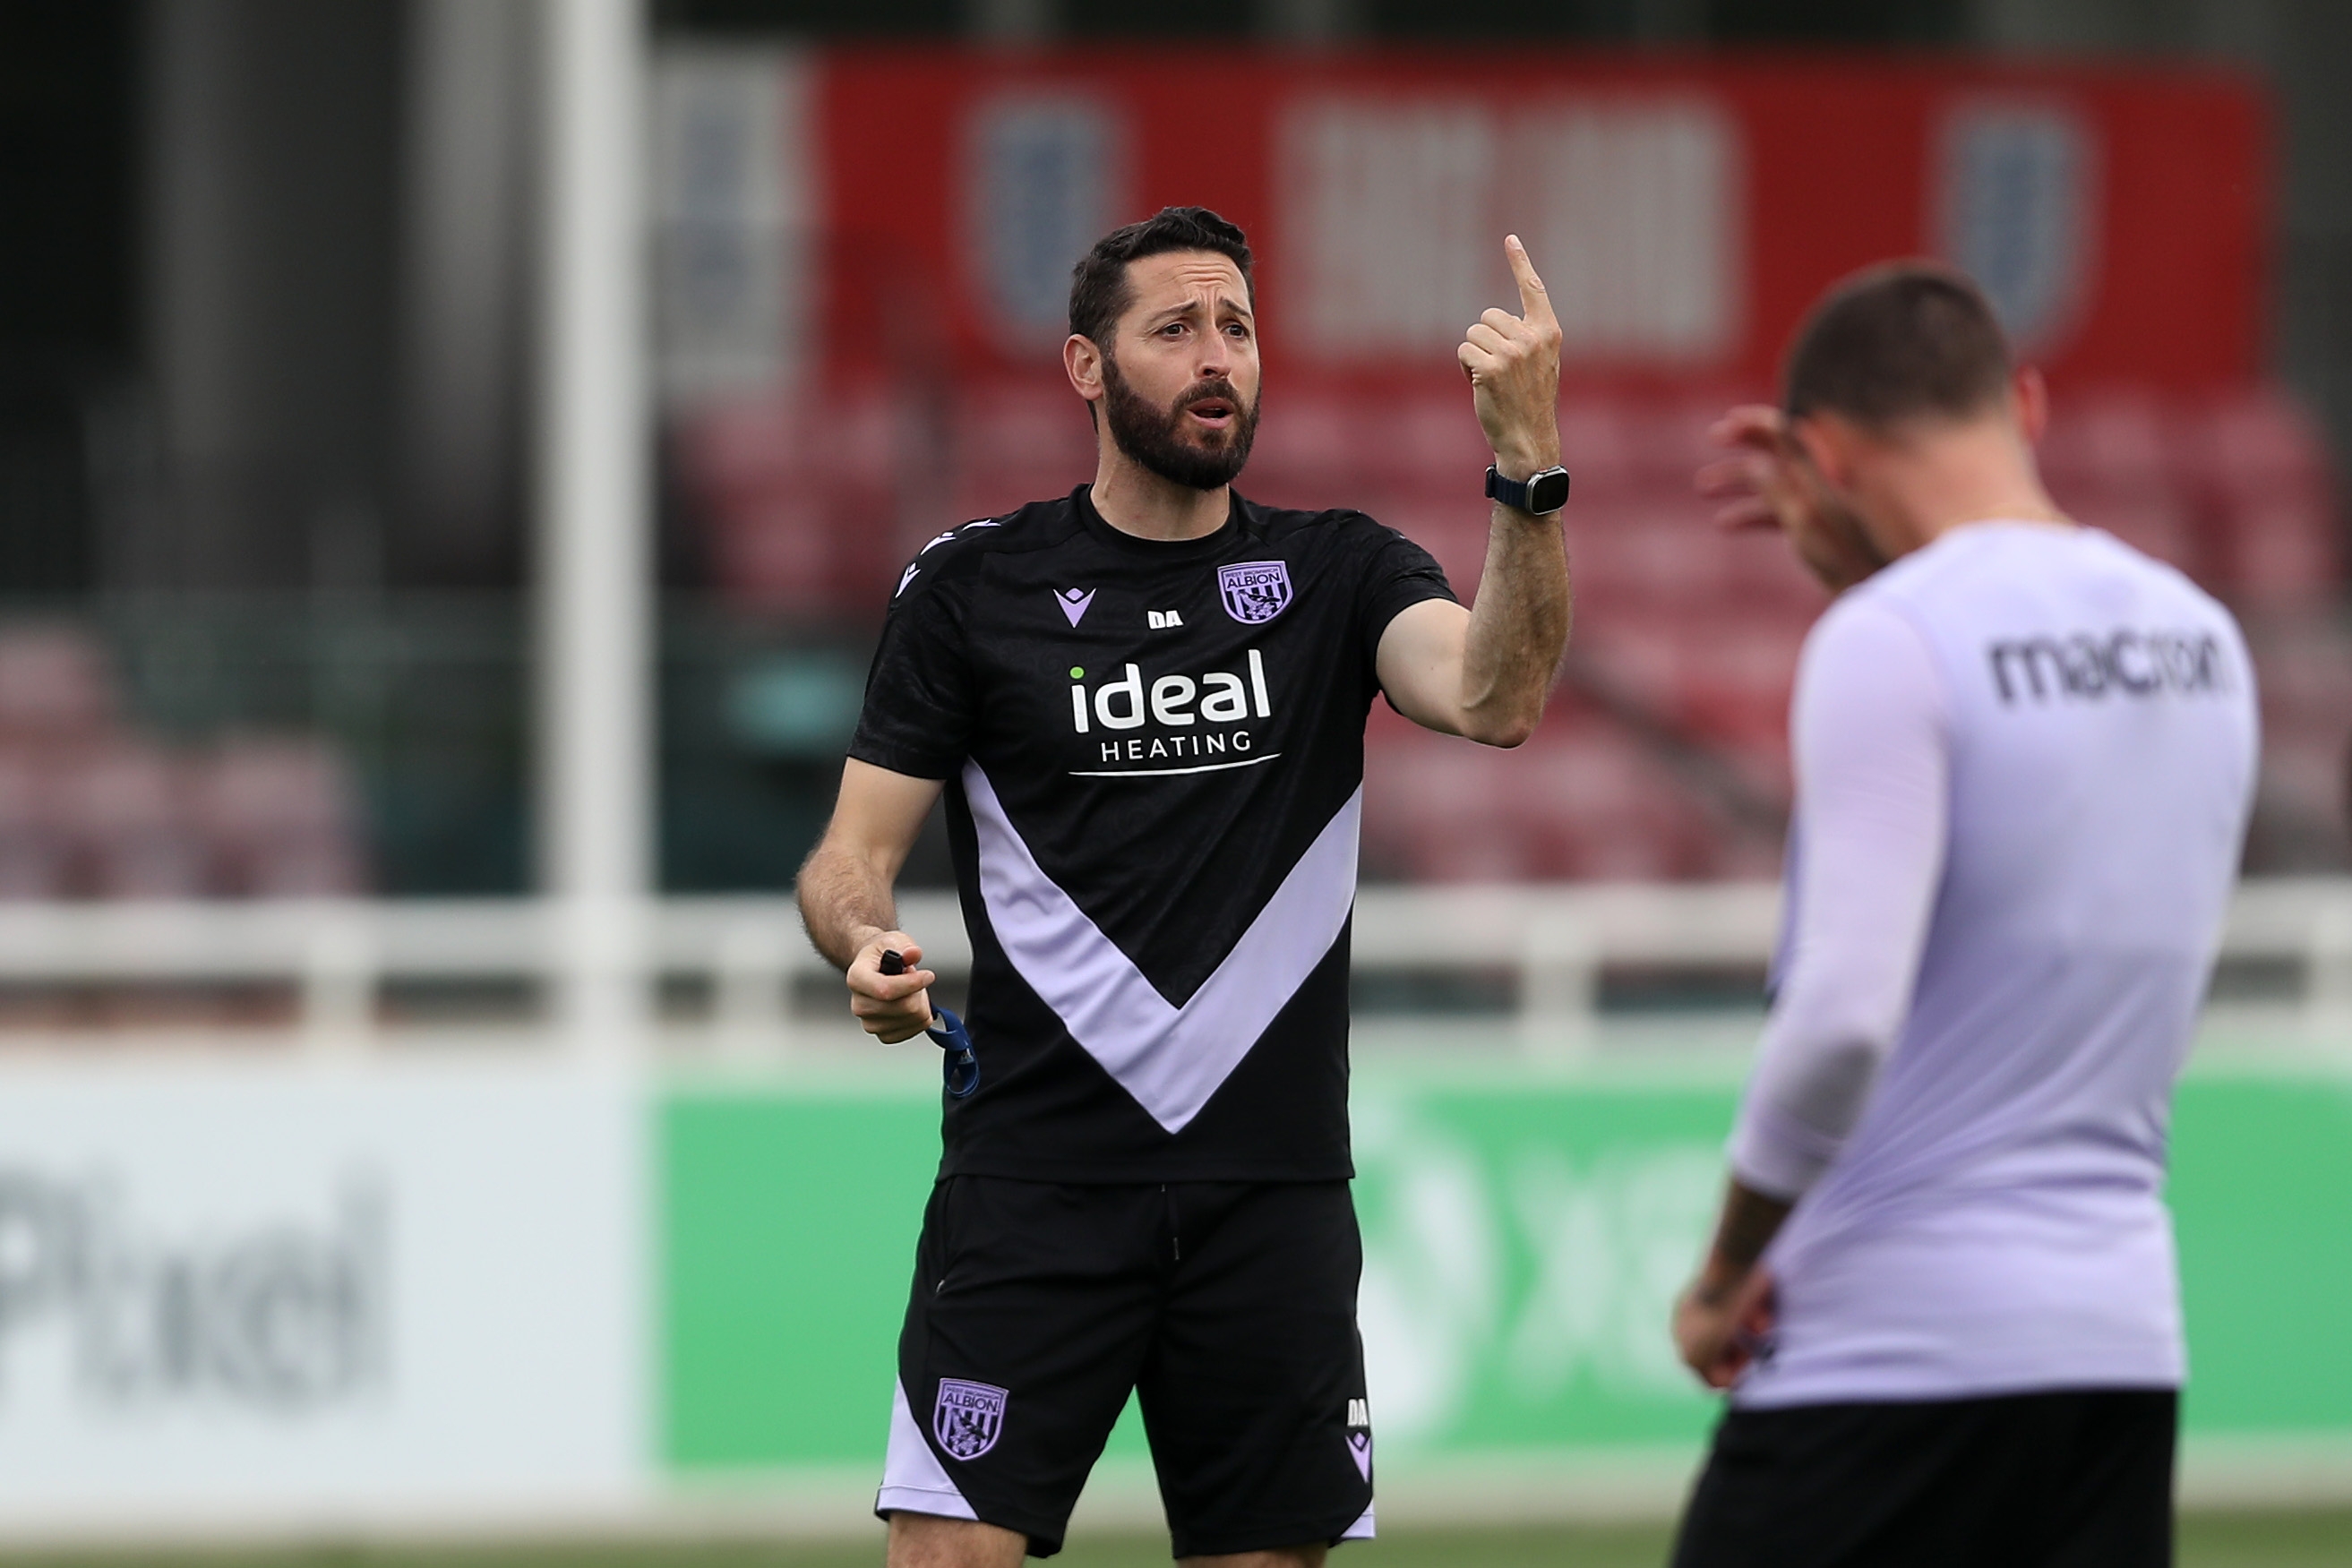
x: 1146, y: 702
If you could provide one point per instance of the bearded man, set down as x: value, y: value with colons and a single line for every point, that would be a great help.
x: 1145, y: 701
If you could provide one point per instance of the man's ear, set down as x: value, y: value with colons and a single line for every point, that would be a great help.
x: 1821, y: 438
x: 2028, y: 395
x: 1082, y: 361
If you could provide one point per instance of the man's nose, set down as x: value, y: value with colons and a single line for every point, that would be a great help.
x: 1215, y: 355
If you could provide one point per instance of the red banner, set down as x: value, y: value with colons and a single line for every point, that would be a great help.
x: 1684, y: 211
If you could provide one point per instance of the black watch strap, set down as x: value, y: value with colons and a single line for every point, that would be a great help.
x: 1539, y: 495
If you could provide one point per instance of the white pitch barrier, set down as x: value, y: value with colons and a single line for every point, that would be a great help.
x: 284, y: 1297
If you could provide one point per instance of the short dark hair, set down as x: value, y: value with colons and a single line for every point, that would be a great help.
x: 1905, y: 340
x: 1098, y: 290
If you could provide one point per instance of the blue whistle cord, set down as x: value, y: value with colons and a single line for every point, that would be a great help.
x: 960, y: 1066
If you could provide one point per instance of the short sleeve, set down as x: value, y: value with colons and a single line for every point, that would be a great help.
x: 918, y: 718
x: 1398, y: 574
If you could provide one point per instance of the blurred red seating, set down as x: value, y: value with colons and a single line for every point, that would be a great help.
x: 36, y: 862
x: 1669, y: 438
x: 2280, y: 549
x: 2256, y: 439
x: 1716, y: 673
x: 1428, y: 438
x: 56, y: 687
x: 1594, y: 443
x: 1308, y: 444
x: 1018, y: 442
x: 279, y: 814
x: 125, y: 809
x: 1699, y: 630
x: 1452, y: 527
x: 1581, y: 800
x: 2262, y: 471
x: 2111, y: 441
x: 89, y: 808
x: 2155, y: 523
x: 850, y: 435
x: 1596, y: 805
x: 1638, y: 552
x: 802, y: 495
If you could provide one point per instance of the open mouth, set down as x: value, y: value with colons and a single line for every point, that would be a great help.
x: 1214, y: 411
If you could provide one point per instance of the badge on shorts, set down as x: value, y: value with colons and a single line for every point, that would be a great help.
x: 1360, y: 1435
x: 968, y: 1417
x: 1254, y: 591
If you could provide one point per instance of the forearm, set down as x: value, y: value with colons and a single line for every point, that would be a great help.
x: 1814, y: 1078
x: 1749, y: 1222
x: 845, y: 902
x: 1518, y: 625
x: 1518, y: 628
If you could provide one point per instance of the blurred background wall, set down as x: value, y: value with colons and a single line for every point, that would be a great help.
x: 265, y: 425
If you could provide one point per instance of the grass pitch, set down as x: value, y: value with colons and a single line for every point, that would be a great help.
x: 2319, y: 1539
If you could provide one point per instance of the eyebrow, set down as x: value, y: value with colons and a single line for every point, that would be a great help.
x: 1188, y: 307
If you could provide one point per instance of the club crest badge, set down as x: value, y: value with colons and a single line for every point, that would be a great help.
x: 1254, y: 591
x: 968, y: 1417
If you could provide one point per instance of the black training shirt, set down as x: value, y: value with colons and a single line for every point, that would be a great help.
x: 1154, y: 754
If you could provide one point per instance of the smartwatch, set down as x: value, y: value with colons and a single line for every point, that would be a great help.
x: 1539, y: 495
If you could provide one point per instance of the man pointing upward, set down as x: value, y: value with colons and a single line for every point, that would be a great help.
x: 1145, y: 701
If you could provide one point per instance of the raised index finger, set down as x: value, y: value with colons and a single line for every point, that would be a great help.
x: 1535, y: 304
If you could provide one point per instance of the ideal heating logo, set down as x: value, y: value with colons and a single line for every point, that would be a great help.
x: 278, y: 1314
x: 2087, y: 667
x: 1191, y: 716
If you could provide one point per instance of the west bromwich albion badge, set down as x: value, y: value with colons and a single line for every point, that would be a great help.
x: 968, y: 1417
x: 1254, y: 591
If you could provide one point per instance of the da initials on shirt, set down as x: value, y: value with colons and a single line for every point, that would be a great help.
x: 1162, y: 620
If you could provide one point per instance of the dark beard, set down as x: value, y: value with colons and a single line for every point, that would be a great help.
x: 1149, y: 435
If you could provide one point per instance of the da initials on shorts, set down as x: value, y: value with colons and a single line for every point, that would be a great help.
x: 1360, y: 1436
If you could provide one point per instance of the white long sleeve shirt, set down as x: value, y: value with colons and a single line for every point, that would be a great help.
x: 2024, y: 759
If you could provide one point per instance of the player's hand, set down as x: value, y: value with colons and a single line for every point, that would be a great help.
x: 1720, y: 1324
x: 891, y: 1008
x: 1759, y: 482
x: 1764, y: 480
x: 1513, y: 364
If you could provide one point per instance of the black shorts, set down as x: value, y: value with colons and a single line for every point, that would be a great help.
x: 2071, y: 1479
x: 1229, y: 1309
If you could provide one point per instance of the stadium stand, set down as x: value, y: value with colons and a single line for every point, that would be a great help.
x: 92, y: 807
x: 1666, y: 755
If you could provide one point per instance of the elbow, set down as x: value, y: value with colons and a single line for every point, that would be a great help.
x: 1827, y: 1095
x: 1507, y: 737
x: 1506, y: 731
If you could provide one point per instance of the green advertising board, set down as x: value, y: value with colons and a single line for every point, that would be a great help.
x: 1525, y: 1231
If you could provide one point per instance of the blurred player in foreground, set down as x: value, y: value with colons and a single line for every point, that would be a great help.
x: 1942, y: 1292
x: 1145, y: 700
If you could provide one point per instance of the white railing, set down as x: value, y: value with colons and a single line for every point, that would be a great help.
x: 1552, y: 943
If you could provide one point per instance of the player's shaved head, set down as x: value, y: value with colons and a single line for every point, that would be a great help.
x: 1900, y: 344
x: 1099, y: 294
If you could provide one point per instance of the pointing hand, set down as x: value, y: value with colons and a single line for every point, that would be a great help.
x: 1513, y: 364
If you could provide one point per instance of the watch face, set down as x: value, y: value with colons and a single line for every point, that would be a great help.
x: 1548, y: 492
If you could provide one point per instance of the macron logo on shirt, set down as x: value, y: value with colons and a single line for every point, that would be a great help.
x: 2087, y: 667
